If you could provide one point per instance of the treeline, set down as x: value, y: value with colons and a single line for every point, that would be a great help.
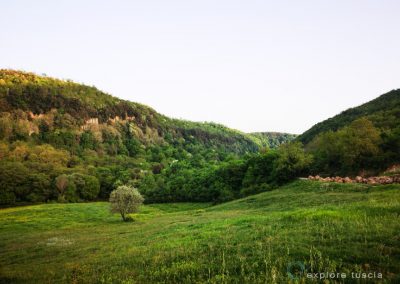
x: 272, y: 139
x: 357, y: 149
x: 35, y: 152
x: 230, y: 180
x: 30, y: 173
x: 53, y: 130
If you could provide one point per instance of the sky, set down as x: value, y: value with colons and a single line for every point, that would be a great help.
x: 250, y: 65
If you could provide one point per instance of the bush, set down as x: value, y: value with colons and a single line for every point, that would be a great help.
x: 125, y: 200
x: 292, y: 162
x: 349, y: 150
x: 87, y: 186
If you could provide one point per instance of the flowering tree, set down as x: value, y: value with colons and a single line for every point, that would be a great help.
x: 125, y: 200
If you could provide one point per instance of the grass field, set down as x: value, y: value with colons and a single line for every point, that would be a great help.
x: 326, y: 227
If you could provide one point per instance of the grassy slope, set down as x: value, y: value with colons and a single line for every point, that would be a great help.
x: 341, y: 227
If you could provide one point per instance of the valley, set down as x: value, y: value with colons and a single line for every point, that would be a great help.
x: 220, y: 205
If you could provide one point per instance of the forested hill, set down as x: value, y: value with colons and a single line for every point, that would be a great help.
x: 383, y: 112
x: 272, y: 139
x: 64, y: 141
x: 33, y: 99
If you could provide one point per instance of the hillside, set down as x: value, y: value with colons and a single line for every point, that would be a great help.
x: 383, y: 111
x: 80, y: 106
x: 64, y: 141
x: 347, y: 228
x: 51, y: 128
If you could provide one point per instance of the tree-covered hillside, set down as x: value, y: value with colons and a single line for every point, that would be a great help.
x: 383, y: 112
x: 64, y: 141
x: 272, y: 139
x: 67, y: 141
x: 80, y: 106
x: 364, y: 140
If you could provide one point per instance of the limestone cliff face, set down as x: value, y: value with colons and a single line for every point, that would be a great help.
x: 90, y: 122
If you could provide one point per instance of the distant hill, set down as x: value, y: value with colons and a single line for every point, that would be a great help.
x: 272, y: 139
x: 87, y: 106
x: 383, y: 111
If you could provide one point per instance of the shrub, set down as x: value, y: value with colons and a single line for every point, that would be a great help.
x: 291, y: 162
x: 87, y: 186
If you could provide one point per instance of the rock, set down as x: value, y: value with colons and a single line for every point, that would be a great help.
x: 359, y: 179
x: 347, y: 180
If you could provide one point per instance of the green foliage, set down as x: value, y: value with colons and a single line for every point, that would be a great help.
x: 230, y: 180
x: 383, y: 112
x: 55, y: 127
x: 292, y: 162
x: 107, y: 179
x: 272, y: 140
x: 360, y: 140
x: 76, y: 187
x: 88, y: 187
x: 348, y: 150
x: 391, y: 146
x: 125, y: 200
x: 50, y: 128
x: 87, y: 141
x: 19, y: 184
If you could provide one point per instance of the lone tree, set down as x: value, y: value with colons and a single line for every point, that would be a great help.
x: 125, y: 200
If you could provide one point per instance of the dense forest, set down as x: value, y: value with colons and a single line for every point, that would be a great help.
x: 64, y: 141
x: 67, y: 142
x: 364, y: 140
x: 272, y: 140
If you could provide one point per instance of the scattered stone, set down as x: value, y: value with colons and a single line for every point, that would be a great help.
x: 347, y: 180
x: 359, y: 179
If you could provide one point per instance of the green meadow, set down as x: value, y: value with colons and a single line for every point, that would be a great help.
x: 321, y: 227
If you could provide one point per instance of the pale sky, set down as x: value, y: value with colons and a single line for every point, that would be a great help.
x: 251, y: 65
